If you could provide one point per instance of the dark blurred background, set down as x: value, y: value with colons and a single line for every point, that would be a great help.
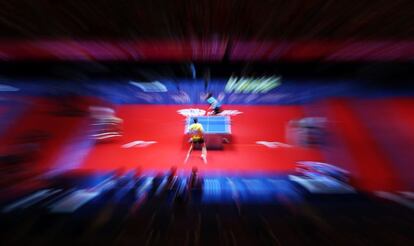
x: 70, y: 71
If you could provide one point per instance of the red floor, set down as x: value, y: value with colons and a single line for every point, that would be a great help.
x: 164, y: 125
x: 37, y: 118
x: 368, y: 163
x: 377, y: 152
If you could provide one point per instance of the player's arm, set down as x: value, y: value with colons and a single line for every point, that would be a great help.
x: 212, y: 103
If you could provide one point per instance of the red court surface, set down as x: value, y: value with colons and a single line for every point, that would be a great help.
x: 162, y: 123
x: 37, y: 118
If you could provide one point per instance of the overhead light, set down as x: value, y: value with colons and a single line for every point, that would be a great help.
x: 154, y: 86
x: 252, y: 85
x: 8, y: 88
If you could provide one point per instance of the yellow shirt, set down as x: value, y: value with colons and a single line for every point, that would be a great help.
x: 196, y: 129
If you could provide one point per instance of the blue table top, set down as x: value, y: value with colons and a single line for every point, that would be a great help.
x: 212, y: 124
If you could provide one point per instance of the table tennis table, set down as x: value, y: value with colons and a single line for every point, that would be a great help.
x: 216, y: 128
